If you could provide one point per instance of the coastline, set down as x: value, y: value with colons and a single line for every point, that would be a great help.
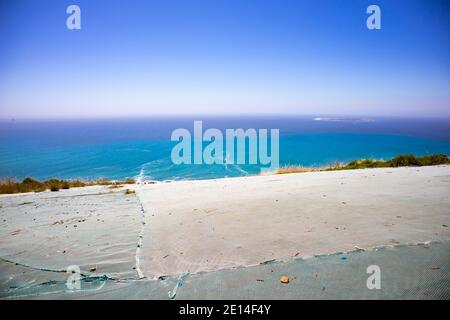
x: 29, y: 184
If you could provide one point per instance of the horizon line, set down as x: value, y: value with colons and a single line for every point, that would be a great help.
x: 218, y: 115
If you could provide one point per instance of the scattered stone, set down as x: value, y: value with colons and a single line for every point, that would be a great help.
x: 284, y: 279
x: 93, y: 269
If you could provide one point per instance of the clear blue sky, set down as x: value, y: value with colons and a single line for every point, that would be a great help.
x: 143, y: 58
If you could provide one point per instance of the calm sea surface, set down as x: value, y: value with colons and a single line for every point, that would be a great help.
x: 117, y: 149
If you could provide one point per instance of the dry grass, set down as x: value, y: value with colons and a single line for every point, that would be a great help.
x: 399, y: 161
x: 129, y: 181
x: 116, y: 186
x: 10, y: 186
x: 294, y: 169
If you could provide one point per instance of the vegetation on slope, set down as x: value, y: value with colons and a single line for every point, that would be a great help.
x: 9, y: 186
x: 406, y: 160
x: 32, y: 185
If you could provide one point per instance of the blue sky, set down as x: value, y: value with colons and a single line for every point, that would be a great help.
x: 158, y: 57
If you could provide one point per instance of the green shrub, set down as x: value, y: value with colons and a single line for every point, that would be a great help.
x: 30, y: 181
x: 65, y: 185
x: 54, y: 184
x: 434, y: 159
x: 405, y: 160
x: 365, y: 163
x: 29, y: 184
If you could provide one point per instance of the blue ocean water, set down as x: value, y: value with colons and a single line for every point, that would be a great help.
x: 118, y: 149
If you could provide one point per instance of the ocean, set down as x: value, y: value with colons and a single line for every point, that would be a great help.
x: 141, y: 148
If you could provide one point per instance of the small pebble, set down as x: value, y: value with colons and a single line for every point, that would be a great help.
x: 284, y: 279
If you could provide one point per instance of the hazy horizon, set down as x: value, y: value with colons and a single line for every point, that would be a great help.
x: 205, y: 116
x: 186, y: 58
